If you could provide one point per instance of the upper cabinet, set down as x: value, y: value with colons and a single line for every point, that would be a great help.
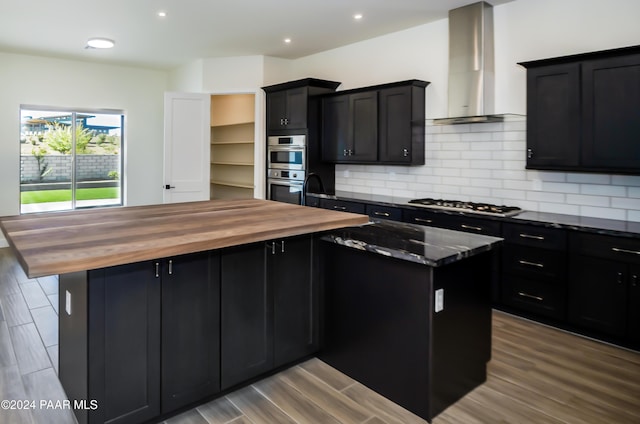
x: 379, y: 124
x: 288, y: 107
x: 582, y: 112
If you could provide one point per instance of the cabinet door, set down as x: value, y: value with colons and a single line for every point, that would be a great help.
x: 395, y: 138
x: 611, y: 100
x: 294, y: 298
x: 190, y: 329
x: 553, y: 109
x: 633, y: 331
x: 335, y: 128
x: 296, y: 117
x: 363, y: 127
x: 124, y: 344
x: 246, y: 315
x: 276, y: 110
x: 598, y: 295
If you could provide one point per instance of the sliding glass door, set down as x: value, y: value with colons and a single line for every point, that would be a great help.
x: 70, y: 159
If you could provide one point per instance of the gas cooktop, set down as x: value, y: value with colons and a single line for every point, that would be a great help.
x: 470, y: 207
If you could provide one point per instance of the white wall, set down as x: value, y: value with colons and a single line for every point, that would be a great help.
x: 485, y: 162
x: 45, y: 81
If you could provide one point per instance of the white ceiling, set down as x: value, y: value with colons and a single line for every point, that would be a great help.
x: 204, y: 28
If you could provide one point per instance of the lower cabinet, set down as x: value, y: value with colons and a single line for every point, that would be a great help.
x: 270, y: 310
x: 148, y: 338
x: 604, y: 286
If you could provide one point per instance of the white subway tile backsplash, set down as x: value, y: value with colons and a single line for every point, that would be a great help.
x: 582, y: 200
x: 486, y: 163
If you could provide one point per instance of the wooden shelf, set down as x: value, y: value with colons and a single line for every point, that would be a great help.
x: 232, y: 142
x: 232, y: 163
x: 232, y: 109
x: 232, y: 184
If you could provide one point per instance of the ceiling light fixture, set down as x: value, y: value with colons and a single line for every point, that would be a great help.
x: 357, y: 16
x: 287, y: 40
x: 100, y: 43
x: 162, y: 14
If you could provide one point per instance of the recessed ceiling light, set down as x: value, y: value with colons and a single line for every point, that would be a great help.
x: 287, y: 40
x: 162, y: 14
x: 100, y: 43
x: 357, y: 16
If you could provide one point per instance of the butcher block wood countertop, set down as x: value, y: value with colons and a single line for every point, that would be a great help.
x: 63, y: 242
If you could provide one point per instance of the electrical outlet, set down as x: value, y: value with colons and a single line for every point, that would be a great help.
x: 439, y: 306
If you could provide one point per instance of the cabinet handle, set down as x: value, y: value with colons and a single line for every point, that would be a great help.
x: 170, y: 267
x: 273, y: 247
x: 426, y: 221
x: 620, y: 278
x: 529, y: 236
x: 351, y: 152
x: 538, y: 265
x: 530, y: 296
x: 633, y: 252
x: 339, y: 208
x: 634, y: 281
x: 405, y: 152
x: 282, y: 249
x: 381, y: 214
x: 157, y: 269
x: 471, y: 227
x: 529, y: 153
x: 345, y: 152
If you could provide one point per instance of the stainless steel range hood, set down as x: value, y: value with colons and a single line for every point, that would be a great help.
x: 471, y: 65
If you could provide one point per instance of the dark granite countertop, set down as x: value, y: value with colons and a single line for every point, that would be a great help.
x: 612, y: 227
x: 415, y: 243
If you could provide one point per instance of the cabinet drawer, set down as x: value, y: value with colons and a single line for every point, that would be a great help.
x: 342, y: 205
x: 384, y: 212
x: 535, y: 296
x: 530, y: 235
x: 530, y: 261
x: 424, y: 217
x: 608, y: 247
x: 475, y: 225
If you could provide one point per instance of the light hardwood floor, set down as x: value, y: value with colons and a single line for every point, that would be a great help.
x: 537, y: 375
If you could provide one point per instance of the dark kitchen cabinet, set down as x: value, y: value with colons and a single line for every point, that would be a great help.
x: 581, y: 112
x: 270, y: 311
x: 377, y: 124
x: 402, y: 125
x: 295, y: 299
x: 349, y: 130
x: 289, y: 106
x: 190, y: 329
x: 553, y: 110
x: 534, y: 270
x: 287, y: 109
x: 246, y: 325
x: 342, y: 205
x: 149, y: 332
x: 603, y: 285
x: 384, y: 212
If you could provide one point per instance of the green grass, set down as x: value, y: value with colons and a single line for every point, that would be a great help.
x: 45, y: 196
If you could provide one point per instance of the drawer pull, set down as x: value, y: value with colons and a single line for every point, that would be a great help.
x: 530, y: 296
x: 620, y: 278
x: 634, y: 281
x: 426, y: 221
x: 471, y: 227
x: 340, y: 208
x: 633, y: 252
x: 536, y: 264
x: 382, y: 214
x: 529, y: 236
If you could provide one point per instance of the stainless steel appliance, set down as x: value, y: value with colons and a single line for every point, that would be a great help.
x: 286, y: 186
x: 467, y: 207
x: 286, y: 163
x: 287, y: 152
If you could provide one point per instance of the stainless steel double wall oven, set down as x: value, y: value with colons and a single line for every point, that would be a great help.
x: 286, y: 168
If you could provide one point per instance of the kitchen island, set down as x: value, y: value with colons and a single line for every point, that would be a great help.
x: 164, y: 307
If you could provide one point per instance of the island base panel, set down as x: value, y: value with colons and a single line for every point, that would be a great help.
x: 381, y: 328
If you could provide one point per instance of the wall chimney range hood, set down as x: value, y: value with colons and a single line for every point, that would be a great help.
x: 471, y: 66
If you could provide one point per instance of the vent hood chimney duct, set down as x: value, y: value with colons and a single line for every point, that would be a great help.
x: 471, y: 65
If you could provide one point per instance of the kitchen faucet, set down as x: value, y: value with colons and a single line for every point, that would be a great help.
x: 306, y: 183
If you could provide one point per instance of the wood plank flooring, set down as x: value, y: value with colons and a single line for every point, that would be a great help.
x: 537, y: 375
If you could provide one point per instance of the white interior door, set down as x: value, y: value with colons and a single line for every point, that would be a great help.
x: 186, y: 147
